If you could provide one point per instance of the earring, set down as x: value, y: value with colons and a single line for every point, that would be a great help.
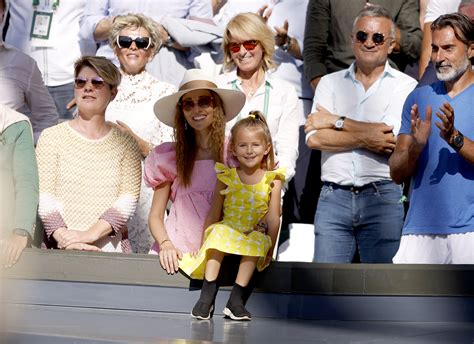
x: 185, y: 125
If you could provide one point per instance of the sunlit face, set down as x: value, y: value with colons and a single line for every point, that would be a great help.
x: 449, y: 55
x: 132, y: 59
x: 247, y: 60
x: 201, y: 114
x: 90, y: 98
x: 250, y: 147
x: 369, y: 53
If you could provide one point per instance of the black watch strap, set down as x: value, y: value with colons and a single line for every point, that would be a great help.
x: 457, y: 141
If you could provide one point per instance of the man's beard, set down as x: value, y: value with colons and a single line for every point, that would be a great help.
x: 452, y: 73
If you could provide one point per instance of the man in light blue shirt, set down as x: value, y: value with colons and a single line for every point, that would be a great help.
x: 437, y: 152
x: 357, y: 115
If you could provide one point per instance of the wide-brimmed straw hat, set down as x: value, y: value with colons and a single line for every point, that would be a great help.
x: 196, y: 79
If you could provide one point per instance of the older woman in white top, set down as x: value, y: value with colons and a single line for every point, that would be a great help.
x: 248, y: 49
x: 135, y: 40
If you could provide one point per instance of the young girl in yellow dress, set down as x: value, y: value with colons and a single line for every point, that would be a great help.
x: 244, y: 218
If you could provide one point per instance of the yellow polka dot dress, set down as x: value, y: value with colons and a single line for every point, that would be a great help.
x: 244, y: 205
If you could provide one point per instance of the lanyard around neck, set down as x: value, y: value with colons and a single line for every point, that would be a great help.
x: 54, y: 5
x: 266, y: 100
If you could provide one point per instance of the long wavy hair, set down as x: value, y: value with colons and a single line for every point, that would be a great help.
x: 185, y: 137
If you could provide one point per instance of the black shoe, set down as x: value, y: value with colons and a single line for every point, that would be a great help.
x: 203, y: 311
x: 235, y: 308
x: 238, y: 312
x: 204, y: 308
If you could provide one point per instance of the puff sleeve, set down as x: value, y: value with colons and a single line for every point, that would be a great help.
x: 160, y: 165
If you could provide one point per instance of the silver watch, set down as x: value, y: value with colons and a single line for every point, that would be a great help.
x: 339, y: 125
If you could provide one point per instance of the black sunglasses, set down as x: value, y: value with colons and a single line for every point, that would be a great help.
x: 378, y: 38
x: 140, y: 42
x: 203, y: 102
x: 96, y: 82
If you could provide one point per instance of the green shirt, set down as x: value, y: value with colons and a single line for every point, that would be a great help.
x: 18, y: 179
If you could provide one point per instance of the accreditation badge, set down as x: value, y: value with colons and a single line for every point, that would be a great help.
x: 41, y: 28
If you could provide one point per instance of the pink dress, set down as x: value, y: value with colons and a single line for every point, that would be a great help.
x: 185, y: 221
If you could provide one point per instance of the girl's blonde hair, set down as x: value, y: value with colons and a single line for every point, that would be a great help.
x: 249, y: 26
x: 256, y: 121
x: 185, y: 137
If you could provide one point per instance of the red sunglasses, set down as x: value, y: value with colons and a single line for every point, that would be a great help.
x: 248, y: 45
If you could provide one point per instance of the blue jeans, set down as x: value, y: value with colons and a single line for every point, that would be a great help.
x: 369, y: 219
x: 62, y: 95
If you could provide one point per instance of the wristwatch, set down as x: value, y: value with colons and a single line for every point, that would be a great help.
x: 286, y: 46
x: 339, y: 125
x: 169, y: 42
x: 20, y: 232
x: 457, y: 141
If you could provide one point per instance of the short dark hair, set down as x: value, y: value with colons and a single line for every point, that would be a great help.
x: 3, y: 4
x: 462, y: 26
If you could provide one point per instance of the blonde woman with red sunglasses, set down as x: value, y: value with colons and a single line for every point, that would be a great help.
x: 248, y: 46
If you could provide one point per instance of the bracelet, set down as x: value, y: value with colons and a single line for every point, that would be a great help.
x: 161, y: 243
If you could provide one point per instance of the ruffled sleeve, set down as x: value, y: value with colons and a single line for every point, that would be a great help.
x: 224, y: 174
x: 279, y: 174
x: 160, y: 165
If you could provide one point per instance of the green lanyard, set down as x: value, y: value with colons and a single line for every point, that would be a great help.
x: 266, y: 100
x: 55, y: 5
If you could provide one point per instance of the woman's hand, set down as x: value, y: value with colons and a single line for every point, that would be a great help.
x: 144, y: 146
x: 169, y: 256
x: 66, y: 237
x: 12, y: 248
x: 80, y: 246
x: 269, y: 256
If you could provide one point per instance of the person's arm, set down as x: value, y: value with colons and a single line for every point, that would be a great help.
x: 284, y: 41
x: 409, y: 32
x: 25, y: 173
x: 215, y: 212
x: 43, y: 110
x: 404, y: 159
x: 287, y: 137
x: 102, y: 29
x: 129, y: 190
x: 169, y: 254
x: 316, y: 40
x: 94, y: 12
x: 273, y: 215
x: 25, y: 169
x: 376, y: 137
x: 50, y: 208
x: 144, y: 146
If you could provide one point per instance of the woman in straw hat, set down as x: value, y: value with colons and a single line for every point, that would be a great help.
x: 183, y: 171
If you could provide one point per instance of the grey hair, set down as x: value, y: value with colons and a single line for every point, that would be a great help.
x: 376, y: 11
x: 135, y: 20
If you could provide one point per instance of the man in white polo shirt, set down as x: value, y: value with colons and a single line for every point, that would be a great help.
x: 357, y: 115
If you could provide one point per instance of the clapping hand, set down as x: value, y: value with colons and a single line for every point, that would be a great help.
x: 420, y: 128
x: 446, y: 126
